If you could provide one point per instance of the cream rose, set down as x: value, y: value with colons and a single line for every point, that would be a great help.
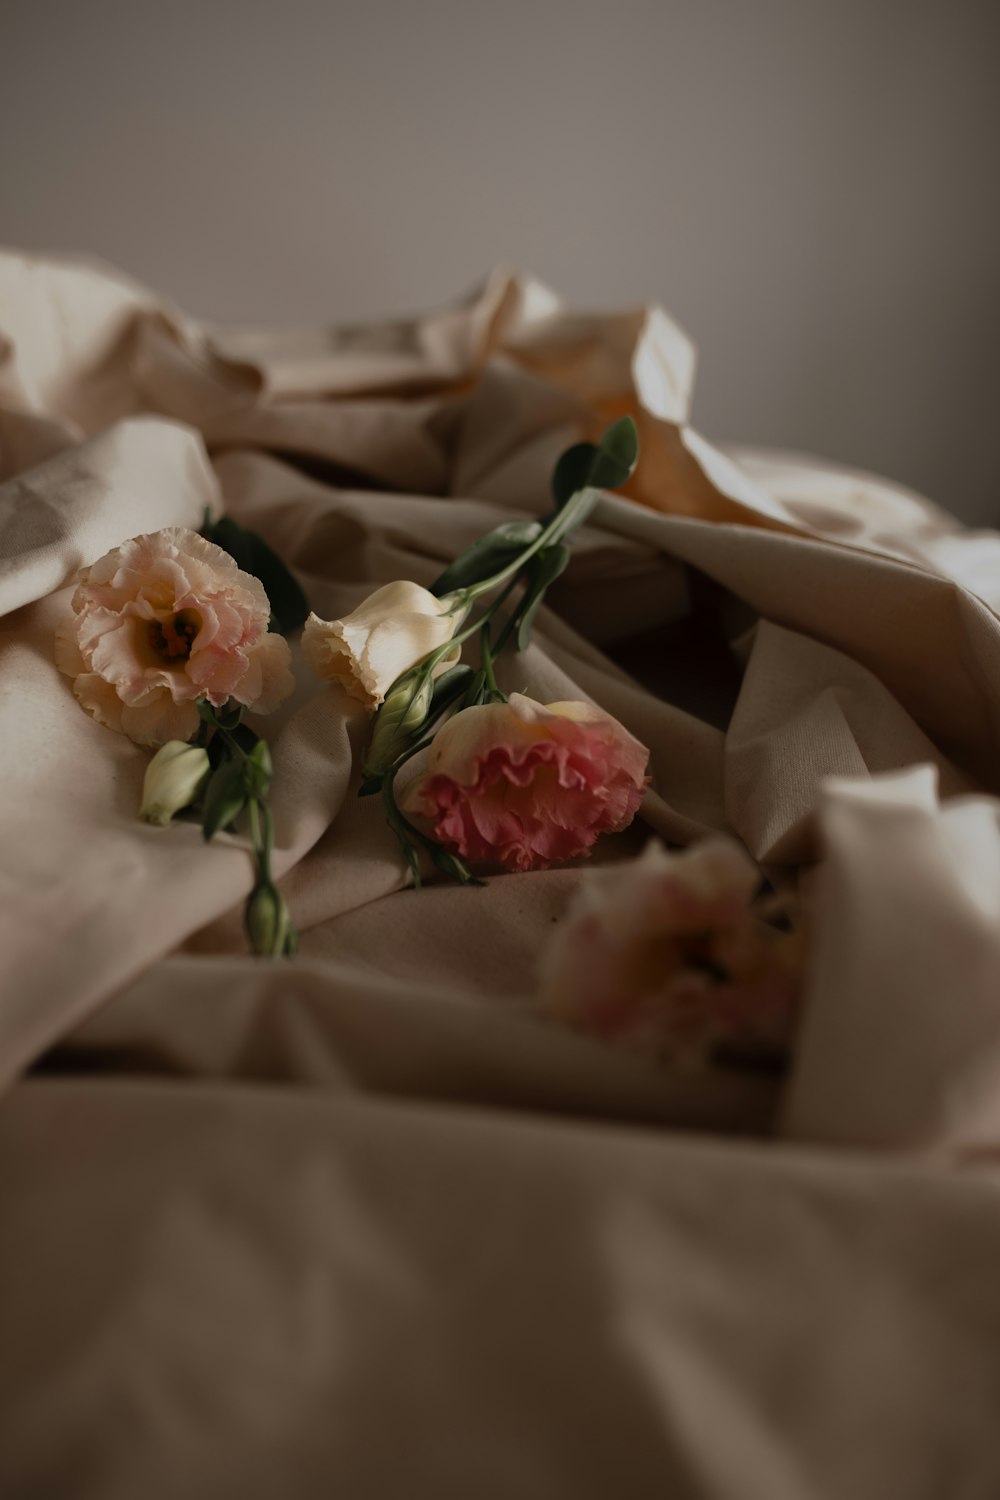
x: 165, y: 620
x: 394, y: 629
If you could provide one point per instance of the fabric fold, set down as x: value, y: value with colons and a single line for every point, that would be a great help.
x: 275, y: 1181
x: 900, y: 1039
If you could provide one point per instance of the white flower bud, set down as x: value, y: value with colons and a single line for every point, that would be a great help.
x: 370, y: 649
x: 174, y: 778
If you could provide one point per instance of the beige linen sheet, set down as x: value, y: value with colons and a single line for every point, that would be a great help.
x: 365, y: 1223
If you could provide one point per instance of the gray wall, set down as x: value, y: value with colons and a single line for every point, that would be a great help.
x: 809, y: 186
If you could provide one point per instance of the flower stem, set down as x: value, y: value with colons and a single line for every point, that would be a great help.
x: 565, y: 520
x: 261, y: 835
x: 262, y: 937
x: 410, y: 837
x: 496, y: 693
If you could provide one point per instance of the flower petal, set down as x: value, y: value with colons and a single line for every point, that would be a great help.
x: 162, y: 620
x: 519, y: 785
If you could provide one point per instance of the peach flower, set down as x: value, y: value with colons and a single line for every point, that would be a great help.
x: 161, y: 621
x: 666, y: 955
x: 394, y: 629
x: 525, y: 786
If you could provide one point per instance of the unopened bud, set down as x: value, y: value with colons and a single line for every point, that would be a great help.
x: 174, y: 779
x: 267, y: 922
x: 401, y: 716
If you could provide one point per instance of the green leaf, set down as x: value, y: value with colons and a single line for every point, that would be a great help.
x: 476, y: 690
x: 620, y: 445
x: 448, y: 688
x: 605, y: 465
x: 412, y: 859
x: 574, y: 513
x: 489, y: 555
x: 232, y: 538
x: 249, y: 551
x: 219, y: 748
x: 245, y: 738
x: 572, y: 471
x: 225, y: 798
x: 546, y: 568
x: 450, y: 865
x: 231, y: 717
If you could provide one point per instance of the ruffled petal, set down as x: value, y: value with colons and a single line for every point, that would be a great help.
x: 99, y: 699
x: 160, y: 720
x: 163, y: 619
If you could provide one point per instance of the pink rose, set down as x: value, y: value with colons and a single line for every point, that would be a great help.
x: 522, y: 786
x: 161, y: 621
x: 666, y: 954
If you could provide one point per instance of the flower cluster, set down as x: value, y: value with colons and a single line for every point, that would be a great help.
x: 174, y: 635
x: 509, y: 783
x: 669, y: 954
x: 169, y: 640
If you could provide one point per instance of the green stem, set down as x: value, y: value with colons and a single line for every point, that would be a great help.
x: 233, y: 743
x: 509, y: 627
x: 562, y: 522
x: 262, y: 835
x: 261, y: 831
x: 491, y: 682
x: 431, y: 661
x: 407, y: 833
x: 402, y: 828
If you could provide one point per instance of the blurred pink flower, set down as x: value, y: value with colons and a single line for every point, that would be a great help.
x: 666, y: 955
x: 525, y: 786
x: 161, y: 621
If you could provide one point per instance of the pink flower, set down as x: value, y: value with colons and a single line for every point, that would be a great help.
x: 161, y: 621
x: 667, y: 955
x: 522, y: 786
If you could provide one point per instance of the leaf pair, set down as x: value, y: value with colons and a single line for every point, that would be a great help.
x: 545, y: 568
x: 491, y: 554
x: 249, y: 551
x: 603, y: 466
x: 586, y: 466
x: 241, y: 772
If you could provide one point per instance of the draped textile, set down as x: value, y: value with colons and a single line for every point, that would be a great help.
x: 365, y: 1221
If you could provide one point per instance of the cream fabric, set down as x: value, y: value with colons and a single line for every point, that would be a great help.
x: 363, y: 1223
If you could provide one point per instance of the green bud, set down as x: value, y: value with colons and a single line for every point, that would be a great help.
x: 401, y: 716
x: 174, y: 779
x: 267, y: 922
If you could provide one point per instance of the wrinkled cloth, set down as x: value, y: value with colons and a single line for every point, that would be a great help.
x: 366, y: 1222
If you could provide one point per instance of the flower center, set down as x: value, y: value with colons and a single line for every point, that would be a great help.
x: 171, y: 639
